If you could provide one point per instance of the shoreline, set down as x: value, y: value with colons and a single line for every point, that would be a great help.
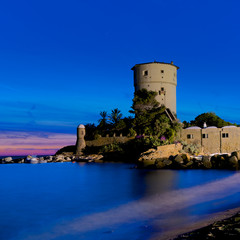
x: 208, y: 220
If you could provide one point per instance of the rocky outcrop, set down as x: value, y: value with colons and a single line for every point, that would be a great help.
x: 206, y: 161
x: 161, y: 152
x: 236, y: 154
x: 11, y: 160
x: 89, y: 158
x: 153, y: 158
x: 57, y: 158
x: 159, y: 158
x: 7, y: 160
x: 233, y: 162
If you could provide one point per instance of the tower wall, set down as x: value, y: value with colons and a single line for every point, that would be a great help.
x: 80, y: 144
x: 158, y: 77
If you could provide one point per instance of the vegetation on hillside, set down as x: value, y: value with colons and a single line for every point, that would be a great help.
x: 150, y: 126
x: 151, y: 120
x: 210, y: 118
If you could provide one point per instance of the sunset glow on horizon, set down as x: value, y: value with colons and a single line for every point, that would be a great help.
x: 33, y: 143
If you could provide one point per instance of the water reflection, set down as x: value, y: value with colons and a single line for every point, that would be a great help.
x: 108, y: 201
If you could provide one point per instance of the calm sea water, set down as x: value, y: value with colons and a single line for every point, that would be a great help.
x: 107, y: 201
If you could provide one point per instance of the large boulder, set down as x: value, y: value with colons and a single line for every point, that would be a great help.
x: 167, y: 162
x: 214, y: 161
x: 223, y: 161
x: 190, y: 164
x: 7, y: 160
x: 233, y: 162
x: 207, y: 162
x: 220, y: 161
x: 59, y: 158
x: 34, y: 160
x: 237, y: 154
x: 178, y: 159
x: 18, y: 160
x: 96, y: 157
x: 68, y: 159
x: 148, y: 155
x: 148, y: 163
x: 186, y: 158
x: 42, y: 160
x: 49, y: 158
x: 28, y: 159
x: 159, y: 164
x: 178, y: 162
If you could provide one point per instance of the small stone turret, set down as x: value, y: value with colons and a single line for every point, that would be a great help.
x: 80, y: 144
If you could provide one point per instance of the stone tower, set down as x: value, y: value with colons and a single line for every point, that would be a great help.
x: 80, y: 144
x: 159, y: 77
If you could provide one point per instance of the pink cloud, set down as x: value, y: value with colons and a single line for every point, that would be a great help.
x: 33, y: 143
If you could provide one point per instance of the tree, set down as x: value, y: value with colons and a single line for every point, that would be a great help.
x: 115, y: 116
x: 144, y: 100
x: 103, y: 121
x: 186, y: 124
x: 103, y: 126
x: 91, y: 131
x: 146, y: 110
x: 161, y: 125
x: 129, y: 122
x: 211, y: 119
x: 120, y: 126
x: 151, y: 119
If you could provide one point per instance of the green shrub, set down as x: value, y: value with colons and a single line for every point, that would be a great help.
x: 114, y: 147
x: 132, y: 132
x: 192, y: 148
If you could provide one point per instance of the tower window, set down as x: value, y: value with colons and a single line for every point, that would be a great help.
x: 145, y: 73
x: 190, y: 136
x: 224, y: 135
x: 205, y: 135
x: 162, y: 92
x: 162, y: 71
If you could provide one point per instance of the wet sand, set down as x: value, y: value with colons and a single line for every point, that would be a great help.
x: 197, y: 225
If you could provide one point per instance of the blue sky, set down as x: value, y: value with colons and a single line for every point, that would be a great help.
x: 62, y: 62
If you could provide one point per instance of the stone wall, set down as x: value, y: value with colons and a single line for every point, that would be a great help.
x: 101, y: 141
x: 195, y: 134
x: 211, y: 142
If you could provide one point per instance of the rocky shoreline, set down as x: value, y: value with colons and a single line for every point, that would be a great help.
x: 163, y: 157
x: 228, y: 228
x: 51, y: 159
x: 174, y: 158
